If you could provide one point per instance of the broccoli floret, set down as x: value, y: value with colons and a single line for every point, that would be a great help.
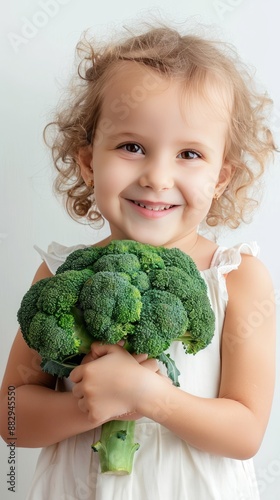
x: 111, y: 305
x: 82, y: 258
x: 118, y: 263
x: 62, y: 291
x: 50, y: 321
x: 28, y: 307
x: 128, y: 265
x: 193, y: 296
x: 58, y: 339
x: 141, y: 281
x: 176, y: 258
x: 163, y: 319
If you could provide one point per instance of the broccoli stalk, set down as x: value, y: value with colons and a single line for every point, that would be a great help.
x: 116, y: 447
x: 147, y: 296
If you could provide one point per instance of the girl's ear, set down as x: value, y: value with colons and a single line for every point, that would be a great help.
x: 225, y: 176
x: 84, y: 160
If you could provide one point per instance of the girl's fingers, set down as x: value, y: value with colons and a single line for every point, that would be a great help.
x: 87, y: 359
x: 151, y: 364
x: 146, y: 362
x: 140, y: 357
x: 76, y: 391
x: 98, y: 349
x: 76, y: 375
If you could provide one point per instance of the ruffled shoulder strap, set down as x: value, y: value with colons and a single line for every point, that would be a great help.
x: 56, y: 254
x: 228, y: 259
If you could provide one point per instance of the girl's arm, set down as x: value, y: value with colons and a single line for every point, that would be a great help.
x: 231, y: 425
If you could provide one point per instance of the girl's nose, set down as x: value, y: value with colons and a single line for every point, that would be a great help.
x: 157, y: 177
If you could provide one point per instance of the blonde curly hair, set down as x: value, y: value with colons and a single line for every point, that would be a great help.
x: 188, y: 57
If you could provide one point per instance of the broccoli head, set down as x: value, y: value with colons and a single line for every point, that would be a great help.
x: 149, y: 296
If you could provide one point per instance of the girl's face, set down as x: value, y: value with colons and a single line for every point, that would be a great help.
x: 157, y: 158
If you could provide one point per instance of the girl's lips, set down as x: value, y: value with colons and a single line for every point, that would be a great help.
x: 152, y: 210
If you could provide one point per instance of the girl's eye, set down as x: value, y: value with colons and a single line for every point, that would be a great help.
x: 130, y: 147
x: 189, y: 155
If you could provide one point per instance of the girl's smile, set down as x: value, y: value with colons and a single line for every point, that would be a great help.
x: 151, y: 209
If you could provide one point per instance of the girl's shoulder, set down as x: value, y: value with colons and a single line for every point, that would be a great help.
x: 251, y: 278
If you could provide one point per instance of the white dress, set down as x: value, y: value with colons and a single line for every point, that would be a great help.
x: 165, y: 467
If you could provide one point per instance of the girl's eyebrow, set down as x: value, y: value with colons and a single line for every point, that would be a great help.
x: 199, y: 145
x: 131, y: 135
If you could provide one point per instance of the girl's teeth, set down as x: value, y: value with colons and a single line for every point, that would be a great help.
x: 156, y: 209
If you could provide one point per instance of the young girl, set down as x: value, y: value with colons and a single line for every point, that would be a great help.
x: 163, y: 132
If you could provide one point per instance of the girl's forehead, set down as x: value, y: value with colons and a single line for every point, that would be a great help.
x: 136, y: 79
x: 132, y: 84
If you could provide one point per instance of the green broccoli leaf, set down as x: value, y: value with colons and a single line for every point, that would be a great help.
x: 172, y: 370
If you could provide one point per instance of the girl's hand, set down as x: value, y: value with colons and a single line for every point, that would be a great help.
x: 110, y: 381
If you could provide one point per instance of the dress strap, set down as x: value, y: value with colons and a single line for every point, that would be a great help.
x: 56, y: 254
x: 226, y: 260
x: 229, y: 259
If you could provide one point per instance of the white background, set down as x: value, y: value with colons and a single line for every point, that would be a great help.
x: 37, y: 52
